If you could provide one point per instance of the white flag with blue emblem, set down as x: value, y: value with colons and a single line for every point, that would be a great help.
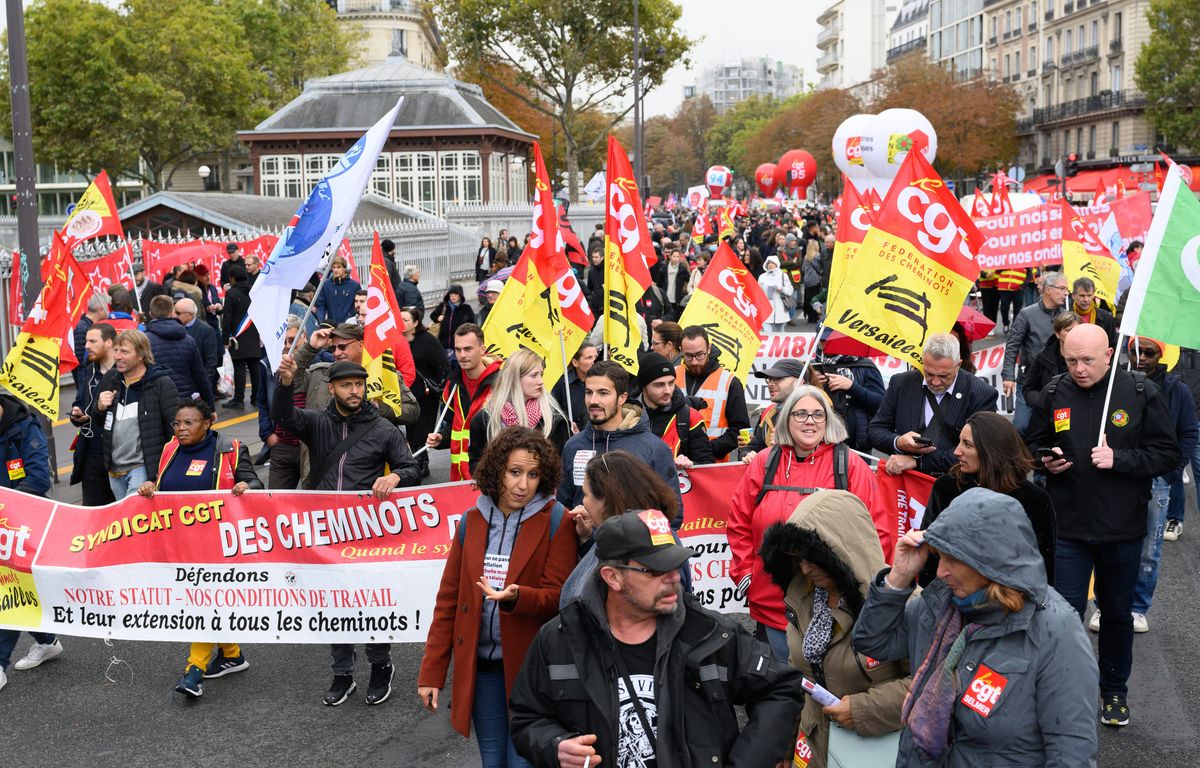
x: 313, y: 235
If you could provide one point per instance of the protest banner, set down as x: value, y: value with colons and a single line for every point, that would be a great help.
x: 158, y: 259
x: 1021, y: 239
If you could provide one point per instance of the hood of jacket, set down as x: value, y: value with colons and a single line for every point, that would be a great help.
x: 490, y: 371
x: 634, y: 420
x: 167, y: 328
x: 14, y: 411
x: 834, y: 531
x: 990, y: 532
x: 455, y: 289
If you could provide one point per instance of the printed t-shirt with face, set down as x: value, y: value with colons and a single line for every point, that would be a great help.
x: 635, y: 750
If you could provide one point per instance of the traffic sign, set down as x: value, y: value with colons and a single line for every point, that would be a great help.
x: 1142, y: 168
x: 1017, y: 173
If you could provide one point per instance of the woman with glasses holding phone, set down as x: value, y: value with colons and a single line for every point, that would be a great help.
x: 200, y: 459
x: 810, y: 455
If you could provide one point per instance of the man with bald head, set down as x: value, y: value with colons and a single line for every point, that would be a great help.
x: 205, y: 337
x: 1099, y: 463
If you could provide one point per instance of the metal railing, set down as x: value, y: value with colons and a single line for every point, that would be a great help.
x: 1098, y: 103
x: 905, y: 48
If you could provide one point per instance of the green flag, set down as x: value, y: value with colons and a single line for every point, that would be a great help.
x: 1164, y: 300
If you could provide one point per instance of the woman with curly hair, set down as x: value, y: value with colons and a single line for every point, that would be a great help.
x: 507, y: 563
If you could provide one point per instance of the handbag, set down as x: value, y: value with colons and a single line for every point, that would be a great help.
x: 849, y: 750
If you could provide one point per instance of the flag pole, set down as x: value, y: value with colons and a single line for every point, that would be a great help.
x: 562, y: 345
x: 438, y: 424
x: 309, y: 310
x: 1112, y: 374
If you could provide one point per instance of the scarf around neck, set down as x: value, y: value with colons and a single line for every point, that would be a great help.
x: 533, y: 414
x: 929, y: 704
x: 819, y: 634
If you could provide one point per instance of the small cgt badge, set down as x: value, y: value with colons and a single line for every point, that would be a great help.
x: 1120, y: 418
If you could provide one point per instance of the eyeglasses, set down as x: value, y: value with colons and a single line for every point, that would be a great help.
x: 186, y: 423
x: 347, y: 345
x: 695, y: 355
x: 648, y: 571
x: 816, y: 417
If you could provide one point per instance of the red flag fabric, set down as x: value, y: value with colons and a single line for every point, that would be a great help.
x: 94, y: 215
x: 906, y: 493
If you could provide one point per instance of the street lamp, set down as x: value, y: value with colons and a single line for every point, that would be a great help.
x: 203, y: 172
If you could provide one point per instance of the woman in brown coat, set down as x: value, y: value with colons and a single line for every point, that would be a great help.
x: 506, y: 567
x: 824, y: 558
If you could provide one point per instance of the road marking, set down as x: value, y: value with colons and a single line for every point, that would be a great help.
x: 66, y: 470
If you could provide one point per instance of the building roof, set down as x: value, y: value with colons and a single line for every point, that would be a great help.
x: 241, y: 212
x: 353, y: 101
x: 911, y: 11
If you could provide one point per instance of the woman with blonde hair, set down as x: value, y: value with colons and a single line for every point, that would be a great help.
x: 519, y: 399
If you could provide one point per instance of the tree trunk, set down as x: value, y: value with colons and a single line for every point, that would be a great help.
x: 572, y: 154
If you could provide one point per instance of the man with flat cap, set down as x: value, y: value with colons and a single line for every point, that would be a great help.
x: 351, y: 446
x: 781, y: 379
x: 673, y: 671
x: 672, y: 417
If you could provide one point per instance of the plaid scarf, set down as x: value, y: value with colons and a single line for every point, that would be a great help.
x: 929, y: 704
x: 533, y: 414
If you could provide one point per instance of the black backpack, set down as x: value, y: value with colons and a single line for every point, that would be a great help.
x: 841, y: 473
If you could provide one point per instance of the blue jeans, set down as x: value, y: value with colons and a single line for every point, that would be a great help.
x: 128, y: 483
x: 1021, y: 411
x: 489, y: 715
x: 1156, y: 520
x: 1116, y: 566
x: 8, y: 641
x: 777, y: 639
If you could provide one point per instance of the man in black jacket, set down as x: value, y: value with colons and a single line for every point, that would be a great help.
x: 672, y: 418
x: 351, y: 445
x: 918, y: 422
x: 89, y: 468
x: 207, y: 340
x: 408, y: 294
x: 176, y: 351
x: 672, y: 670
x: 1100, y: 491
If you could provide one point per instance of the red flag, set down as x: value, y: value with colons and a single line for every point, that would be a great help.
x: 571, y: 244
x: 907, y: 495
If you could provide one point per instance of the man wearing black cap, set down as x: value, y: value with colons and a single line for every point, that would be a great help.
x: 781, y: 379
x: 389, y: 260
x: 232, y: 258
x: 351, y: 445
x: 672, y: 660
x: 672, y: 418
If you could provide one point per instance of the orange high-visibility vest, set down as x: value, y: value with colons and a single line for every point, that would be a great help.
x: 1010, y: 279
x: 462, y: 410
x: 226, y: 464
x: 714, y: 391
x: 987, y: 279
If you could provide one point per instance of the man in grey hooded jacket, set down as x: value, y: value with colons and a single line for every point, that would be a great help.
x: 1022, y: 684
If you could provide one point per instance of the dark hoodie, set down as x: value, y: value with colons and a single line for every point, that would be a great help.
x: 1048, y: 364
x: 157, y: 399
x: 450, y: 318
x: 176, y: 351
x: 679, y: 411
x: 23, y: 449
x: 737, y: 417
x: 1179, y: 403
x: 634, y: 436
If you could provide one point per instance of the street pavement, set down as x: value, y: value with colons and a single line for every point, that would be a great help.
x: 114, y: 705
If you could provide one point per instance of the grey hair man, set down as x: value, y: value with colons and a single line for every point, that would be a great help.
x: 1027, y: 336
x: 407, y: 293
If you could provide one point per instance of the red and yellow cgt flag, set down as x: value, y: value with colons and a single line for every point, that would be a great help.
x: 914, y: 268
x: 94, y: 215
x: 42, y: 351
x: 725, y: 223
x: 701, y: 227
x: 731, y: 306
x: 1083, y: 255
x: 628, y: 253
x: 542, y: 298
x: 853, y: 221
x: 383, y: 330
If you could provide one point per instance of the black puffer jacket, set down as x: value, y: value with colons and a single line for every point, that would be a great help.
x: 380, y: 444
x: 158, y: 399
x: 176, y: 351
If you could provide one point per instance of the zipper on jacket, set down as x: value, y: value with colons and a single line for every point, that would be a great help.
x: 342, y: 461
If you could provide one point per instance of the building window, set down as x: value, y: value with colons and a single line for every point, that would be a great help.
x: 1116, y: 136
x: 461, y: 177
x: 416, y: 180
x: 1033, y: 12
x: 1094, y: 86
x: 497, y: 178
x: 1018, y: 27
x: 518, y: 182
x: 1032, y: 56
x: 1007, y: 66
x: 1095, y: 32
x: 1091, y: 141
x: 281, y: 176
x: 1118, y: 81
x: 1067, y: 43
x: 1078, y: 140
x: 400, y: 42
x: 381, y: 178
x: 1008, y: 22
x: 317, y: 167
x: 1117, y: 25
x: 1017, y: 64
x: 1049, y: 49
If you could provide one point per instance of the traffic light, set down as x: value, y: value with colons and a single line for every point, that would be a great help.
x: 1072, y: 164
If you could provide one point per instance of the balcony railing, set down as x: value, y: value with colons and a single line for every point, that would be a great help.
x: 992, y: 40
x: 1116, y: 46
x: 1049, y: 15
x: 1032, y: 26
x: 1048, y: 66
x: 832, y: 32
x: 827, y: 61
x: 1068, y: 7
x: 1024, y: 126
x: 1031, y: 73
x: 1099, y: 103
x: 905, y: 48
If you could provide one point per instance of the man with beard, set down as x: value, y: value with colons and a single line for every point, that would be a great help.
x: 672, y: 418
x: 781, y: 379
x: 667, y: 651
x: 351, y: 447
x: 702, y: 376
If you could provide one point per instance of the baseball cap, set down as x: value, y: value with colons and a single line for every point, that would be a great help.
x: 643, y: 535
x: 653, y: 366
x: 494, y: 286
x: 782, y: 369
x: 346, y: 370
x: 231, y: 248
x: 348, y: 331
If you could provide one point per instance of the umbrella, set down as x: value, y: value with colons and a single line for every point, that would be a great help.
x: 841, y: 344
x: 974, y: 323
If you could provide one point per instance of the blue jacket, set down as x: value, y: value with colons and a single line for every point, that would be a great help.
x: 209, y: 344
x: 335, y: 301
x: 177, y: 352
x: 23, y: 449
x: 1183, y: 416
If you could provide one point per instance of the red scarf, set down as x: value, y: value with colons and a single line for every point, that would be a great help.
x: 533, y: 414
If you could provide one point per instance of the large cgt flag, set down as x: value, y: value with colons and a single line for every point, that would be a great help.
x: 628, y: 252
x: 542, y: 298
x: 853, y: 223
x: 33, y: 366
x: 730, y: 305
x: 94, y: 215
x: 382, y: 332
x: 914, y: 269
x: 1084, y: 255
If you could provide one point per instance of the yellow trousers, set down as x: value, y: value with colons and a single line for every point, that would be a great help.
x: 202, y: 653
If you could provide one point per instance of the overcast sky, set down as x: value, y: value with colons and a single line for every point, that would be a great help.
x: 785, y: 30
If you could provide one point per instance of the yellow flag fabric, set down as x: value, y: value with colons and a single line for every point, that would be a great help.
x: 383, y: 381
x: 30, y: 372
x: 627, y: 252
x: 732, y: 307
x: 1104, y: 270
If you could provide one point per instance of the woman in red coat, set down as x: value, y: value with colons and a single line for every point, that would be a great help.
x: 805, y: 463
x: 501, y: 583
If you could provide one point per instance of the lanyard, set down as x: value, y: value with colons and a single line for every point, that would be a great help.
x: 633, y: 697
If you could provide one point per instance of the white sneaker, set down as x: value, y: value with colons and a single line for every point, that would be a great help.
x: 3, y: 678
x: 39, y: 653
x: 1094, y: 622
x: 1140, y: 624
x: 1173, y: 530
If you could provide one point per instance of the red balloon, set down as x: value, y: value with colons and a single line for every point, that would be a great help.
x: 765, y: 177
x: 799, y: 171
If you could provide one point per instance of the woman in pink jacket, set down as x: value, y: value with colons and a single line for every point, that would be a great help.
x: 811, y: 455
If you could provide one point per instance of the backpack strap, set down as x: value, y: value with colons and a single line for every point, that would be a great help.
x: 683, y: 426
x: 769, y: 474
x: 841, y: 473
x: 841, y: 466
